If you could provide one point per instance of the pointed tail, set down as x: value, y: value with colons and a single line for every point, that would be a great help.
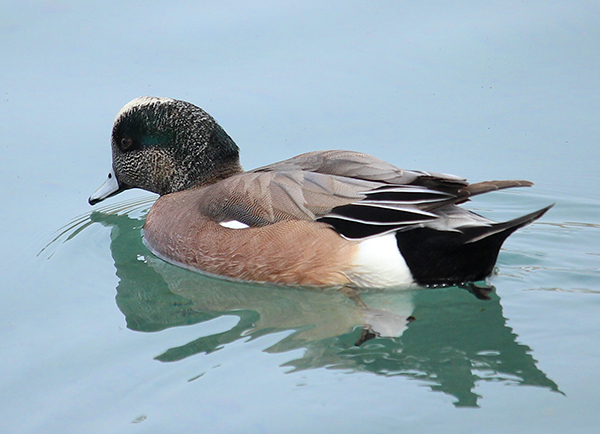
x: 451, y: 257
x: 508, y: 227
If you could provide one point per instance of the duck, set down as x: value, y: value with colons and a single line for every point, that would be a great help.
x: 323, y: 218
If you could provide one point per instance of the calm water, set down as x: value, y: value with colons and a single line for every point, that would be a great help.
x: 100, y: 336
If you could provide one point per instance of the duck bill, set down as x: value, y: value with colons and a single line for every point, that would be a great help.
x: 110, y: 187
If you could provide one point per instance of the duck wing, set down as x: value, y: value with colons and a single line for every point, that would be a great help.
x: 357, y: 165
x: 262, y: 198
x: 357, y: 194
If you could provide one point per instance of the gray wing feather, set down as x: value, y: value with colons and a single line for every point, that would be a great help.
x: 357, y: 194
x: 357, y: 165
x: 261, y: 198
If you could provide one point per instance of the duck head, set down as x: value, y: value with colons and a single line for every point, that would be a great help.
x: 164, y: 145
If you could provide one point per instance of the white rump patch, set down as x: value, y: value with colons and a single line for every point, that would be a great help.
x: 234, y: 224
x: 379, y: 264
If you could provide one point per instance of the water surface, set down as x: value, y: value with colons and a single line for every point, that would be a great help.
x: 101, y: 336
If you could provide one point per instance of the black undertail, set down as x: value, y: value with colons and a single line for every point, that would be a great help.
x: 437, y: 257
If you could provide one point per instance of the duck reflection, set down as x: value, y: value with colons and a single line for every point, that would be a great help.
x: 445, y: 337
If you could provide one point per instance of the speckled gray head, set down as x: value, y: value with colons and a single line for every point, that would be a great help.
x: 164, y: 145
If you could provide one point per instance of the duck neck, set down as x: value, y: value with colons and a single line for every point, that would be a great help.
x: 223, y: 172
x: 218, y: 159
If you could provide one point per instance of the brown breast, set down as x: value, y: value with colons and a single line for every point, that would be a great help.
x: 289, y: 252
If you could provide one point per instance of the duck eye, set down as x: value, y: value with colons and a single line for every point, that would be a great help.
x: 126, y: 143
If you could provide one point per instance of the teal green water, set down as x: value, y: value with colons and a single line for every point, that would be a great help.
x: 134, y: 339
x: 98, y: 335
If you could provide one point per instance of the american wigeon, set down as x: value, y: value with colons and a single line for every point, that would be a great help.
x: 321, y: 218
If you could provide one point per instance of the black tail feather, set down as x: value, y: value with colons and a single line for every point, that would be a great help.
x: 438, y: 257
x: 504, y: 229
